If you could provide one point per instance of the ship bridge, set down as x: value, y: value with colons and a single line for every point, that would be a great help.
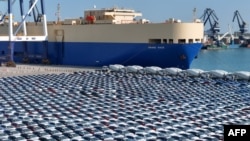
x: 111, y: 16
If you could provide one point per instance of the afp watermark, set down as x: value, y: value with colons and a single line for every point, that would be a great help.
x: 237, y: 132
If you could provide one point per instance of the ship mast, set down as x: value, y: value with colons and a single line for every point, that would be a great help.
x: 58, y: 13
x: 194, y: 14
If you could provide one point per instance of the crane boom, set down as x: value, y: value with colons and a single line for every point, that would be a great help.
x: 36, y: 13
x: 243, y: 29
x: 12, y: 37
x: 241, y: 23
x: 6, y: 13
x: 210, y: 16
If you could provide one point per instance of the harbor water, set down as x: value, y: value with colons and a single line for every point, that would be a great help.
x: 231, y: 59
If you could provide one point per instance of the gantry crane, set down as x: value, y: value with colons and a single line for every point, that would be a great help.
x: 36, y: 13
x: 2, y: 16
x: 12, y: 37
x: 242, y: 24
x: 210, y: 17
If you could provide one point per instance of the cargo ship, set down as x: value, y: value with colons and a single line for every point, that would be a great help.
x: 107, y: 36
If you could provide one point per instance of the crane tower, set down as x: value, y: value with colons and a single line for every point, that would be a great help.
x: 241, y: 23
x: 39, y: 16
x: 210, y: 17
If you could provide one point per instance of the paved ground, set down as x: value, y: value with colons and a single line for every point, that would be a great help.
x: 23, y: 69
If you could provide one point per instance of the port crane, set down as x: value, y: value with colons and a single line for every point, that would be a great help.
x: 210, y: 17
x: 2, y: 16
x: 36, y: 13
x: 242, y: 24
x: 12, y: 38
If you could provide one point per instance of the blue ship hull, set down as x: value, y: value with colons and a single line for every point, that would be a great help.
x: 101, y: 54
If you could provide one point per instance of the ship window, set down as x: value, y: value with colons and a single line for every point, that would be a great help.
x: 171, y: 41
x: 197, y: 40
x: 154, y: 41
x: 165, y: 41
x: 190, y: 40
x: 181, y: 41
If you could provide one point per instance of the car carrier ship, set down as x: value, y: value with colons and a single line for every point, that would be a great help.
x: 102, y: 37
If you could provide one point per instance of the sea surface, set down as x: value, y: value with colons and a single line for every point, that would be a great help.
x: 231, y: 59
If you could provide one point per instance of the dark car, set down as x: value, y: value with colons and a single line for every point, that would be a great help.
x: 35, y: 128
x: 52, y: 131
x: 47, y: 139
x: 60, y: 138
x: 12, y: 132
x: 90, y: 130
x: 63, y: 129
x: 210, y: 138
x: 29, y: 123
x: 30, y: 136
x: 99, y: 135
x: 175, y: 138
x: 41, y: 133
x: 18, y: 125
x: 24, y: 130
x: 71, y: 135
x: 81, y: 132
x: 17, y: 138
x: 43, y: 125
x: 74, y: 127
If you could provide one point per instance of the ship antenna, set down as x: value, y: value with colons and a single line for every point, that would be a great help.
x: 194, y: 14
x: 58, y: 13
